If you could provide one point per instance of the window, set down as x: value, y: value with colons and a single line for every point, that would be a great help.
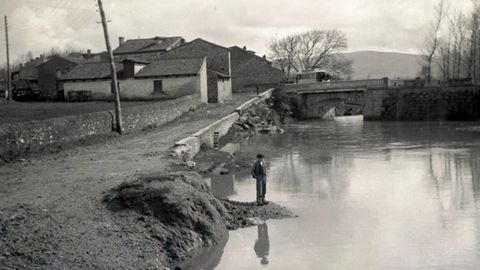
x: 157, y: 86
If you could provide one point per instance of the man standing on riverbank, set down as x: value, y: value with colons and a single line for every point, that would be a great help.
x: 259, y: 172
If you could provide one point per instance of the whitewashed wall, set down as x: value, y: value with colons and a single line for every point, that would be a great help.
x: 143, y: 88
x: 203, y: 82
x: 224, y: 90
x: 139, y: 88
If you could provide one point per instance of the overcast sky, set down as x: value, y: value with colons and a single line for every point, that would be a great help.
x: 387, y: 25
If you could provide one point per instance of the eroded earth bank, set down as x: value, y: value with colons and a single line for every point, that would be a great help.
x: 126, y: 204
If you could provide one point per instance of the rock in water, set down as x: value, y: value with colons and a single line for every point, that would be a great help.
x: 190, y: 164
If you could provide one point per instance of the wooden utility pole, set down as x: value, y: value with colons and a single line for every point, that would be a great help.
x: 118, y: 110
x: 9, y: 83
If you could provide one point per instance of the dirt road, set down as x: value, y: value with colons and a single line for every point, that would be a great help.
x: 93, y: 168
x: 66, y: 188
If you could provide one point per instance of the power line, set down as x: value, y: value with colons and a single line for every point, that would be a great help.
x: 76, y: 19
x: 60, y: 5
x: 82, y: 16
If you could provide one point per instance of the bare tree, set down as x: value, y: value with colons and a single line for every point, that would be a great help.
x: 474, y: 27
x: 315, y: 49
x: 433, y: 38
x: 283, y: 52
x: 457, y: 29
x: 339, y: 65
x: 444, y: 50
x: 65, y: 51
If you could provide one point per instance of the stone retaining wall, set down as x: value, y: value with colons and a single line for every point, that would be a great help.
x: 26, y: 136
x: 191, y: 145
x: 435, y: 103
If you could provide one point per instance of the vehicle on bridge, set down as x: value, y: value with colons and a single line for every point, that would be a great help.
x: 312, y: 76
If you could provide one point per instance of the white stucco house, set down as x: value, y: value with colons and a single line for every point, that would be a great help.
x: 138, y: 79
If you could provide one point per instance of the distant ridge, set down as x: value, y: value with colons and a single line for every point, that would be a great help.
x: 376, y: 64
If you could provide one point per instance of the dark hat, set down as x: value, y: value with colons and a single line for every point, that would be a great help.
x: 260, y: 156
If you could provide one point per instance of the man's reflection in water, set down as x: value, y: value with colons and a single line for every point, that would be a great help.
x: 262, y: 245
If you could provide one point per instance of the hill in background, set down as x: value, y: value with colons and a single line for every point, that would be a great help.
x: 375, y: 64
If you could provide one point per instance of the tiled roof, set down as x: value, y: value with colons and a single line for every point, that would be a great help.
x: 217, y: 56
x: 75, y: 59
x: 257, y: 72
x: 169, y: 67
x: 249, y: 53
x: 29, y: 69
x: 87, y: 71
x: 147, y: 44
x: 97, y: 57
x: 192, y: 48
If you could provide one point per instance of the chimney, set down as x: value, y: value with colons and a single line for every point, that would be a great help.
x: 89, y: 53
x: 121, y: 40
x: 264, y: 57
x: 245, y: 47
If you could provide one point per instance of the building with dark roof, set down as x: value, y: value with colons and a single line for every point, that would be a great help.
x: 51, y: 70
x: 246, y: 71
x: 139, y: 80
x: 218, y: 65
x: 241, y: 54
x: 92, y: 71
x: 251, y: 72
x: 25, y: 80
x: 146, y: 49
x: 90, y: 79
x: 171, y: 67
x: 39, y: 78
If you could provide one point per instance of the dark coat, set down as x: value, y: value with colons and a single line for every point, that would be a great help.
x: 259, y: 170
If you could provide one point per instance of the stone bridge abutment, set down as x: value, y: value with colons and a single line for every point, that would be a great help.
x: 376, y: 101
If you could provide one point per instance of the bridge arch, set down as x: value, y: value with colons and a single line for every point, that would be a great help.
x: 326, y: 104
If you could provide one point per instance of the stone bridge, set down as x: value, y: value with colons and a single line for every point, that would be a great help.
x: 328, y: 99
x: 328, y: 103
x: 376, y: 101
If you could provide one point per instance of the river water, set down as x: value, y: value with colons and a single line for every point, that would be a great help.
x: 369, y: 195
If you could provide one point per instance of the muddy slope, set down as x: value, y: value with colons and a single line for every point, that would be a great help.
x: 156, y: 221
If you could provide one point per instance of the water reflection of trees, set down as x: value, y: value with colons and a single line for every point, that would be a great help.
x: 455, y: 177
x: 475, y: 167
x: 309, y: 160
x: 320, y: 173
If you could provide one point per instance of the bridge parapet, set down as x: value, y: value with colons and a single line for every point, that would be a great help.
x: 363, y: 84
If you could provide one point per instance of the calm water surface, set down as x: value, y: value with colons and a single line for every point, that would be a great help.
x: 369, y: 195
